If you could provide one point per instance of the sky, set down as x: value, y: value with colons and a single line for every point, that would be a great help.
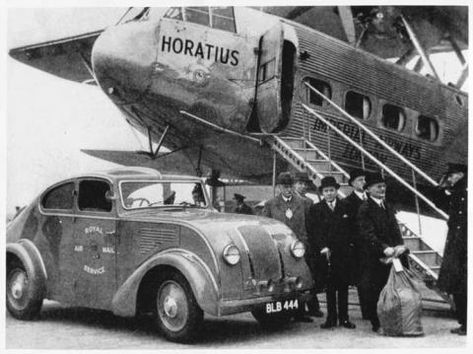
x: 50, y: 119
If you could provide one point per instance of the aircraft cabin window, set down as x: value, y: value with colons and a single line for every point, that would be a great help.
x: 61, y: 197
x: 427, y: 128
x: 223, y: 18
x: 357, y: 105
x: 92, y: 196
x: 322, y: 87
x: 393, y: 117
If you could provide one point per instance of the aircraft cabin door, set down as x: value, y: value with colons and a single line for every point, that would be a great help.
x: 268, y: 84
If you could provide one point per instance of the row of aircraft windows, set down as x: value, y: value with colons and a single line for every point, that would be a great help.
x: 360, y: 106
x: 215, y: 17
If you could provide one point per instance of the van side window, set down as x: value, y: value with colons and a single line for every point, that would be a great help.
x: 61, y: 197
x: 321, y: 86
x: 427, y: 128
x: 92, y: 196
x: 357, y: 105
x: 393, y: 117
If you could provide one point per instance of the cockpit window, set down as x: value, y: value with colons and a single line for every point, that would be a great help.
x: 174, y: 13
x: 216, y: 17
x: 198, y: 15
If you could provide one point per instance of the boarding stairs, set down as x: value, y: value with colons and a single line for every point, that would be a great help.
x: 304, y: 156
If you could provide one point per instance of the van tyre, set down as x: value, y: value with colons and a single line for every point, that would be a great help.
x: 23, y: 302
x: 178, y: 315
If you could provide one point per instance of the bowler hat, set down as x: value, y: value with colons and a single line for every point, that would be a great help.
x: 373, y: 178
x: 301, y: 177
x: 239, y: 197
x: 355, y: 174
x: 285, y: 178
x: 328, y: 181
x: 456, y: 167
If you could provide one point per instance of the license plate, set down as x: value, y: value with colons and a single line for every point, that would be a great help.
x: 280, y: 306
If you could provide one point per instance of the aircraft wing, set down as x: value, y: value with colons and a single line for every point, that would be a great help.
x: 67, y: 58
x: 174, y: 163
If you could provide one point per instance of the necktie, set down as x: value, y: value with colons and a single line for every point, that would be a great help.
x: 331, y: 205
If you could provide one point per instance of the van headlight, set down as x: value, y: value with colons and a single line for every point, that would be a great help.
x: 231, y: 254
x: 298, y: 249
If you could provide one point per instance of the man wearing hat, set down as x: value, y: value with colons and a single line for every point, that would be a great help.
x: 380, y: 233
x: 453, y: 276
x: 301, y: 185
x: 241, y: 207
x: 289, y: 209
x: 354, y: 200
x: 330, y: 237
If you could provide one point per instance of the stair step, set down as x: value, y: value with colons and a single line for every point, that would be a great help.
x: 435, y: 269
x: 430, y: 258
x: 295, y: 143
x: 307, y: 154
x: 320, y: 165
x: 413, y: 243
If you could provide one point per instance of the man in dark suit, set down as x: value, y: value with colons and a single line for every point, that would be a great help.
x: 380, y: 233
x: 330, y: 235
x: 289, y: 209
x: 301, y: 185
x: 354, y: 200
x: 241, y: 207
x: 453, y: 276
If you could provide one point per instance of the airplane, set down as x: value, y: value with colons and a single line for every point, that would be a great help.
x: 224, y: 87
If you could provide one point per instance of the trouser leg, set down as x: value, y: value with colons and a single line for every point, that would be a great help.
x: 363, y: 295
x: 343, y: 303
x: 460, y: 300
x: 331, y: 303
x: 378, y: 280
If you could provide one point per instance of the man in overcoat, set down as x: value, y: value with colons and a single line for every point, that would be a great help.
x: 354, y: 200
x: 453, y: 276
x: 301, y: 185
x: 380, y: 233
x: 330, y: 235
x: 241, y: 206
x: 289, y: 209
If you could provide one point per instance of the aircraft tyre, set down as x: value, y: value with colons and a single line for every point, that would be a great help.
x: 178, y: 315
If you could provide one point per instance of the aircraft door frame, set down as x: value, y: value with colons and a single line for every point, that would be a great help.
x: 268, y: 80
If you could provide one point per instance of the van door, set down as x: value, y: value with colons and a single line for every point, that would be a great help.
x: 268, y: 81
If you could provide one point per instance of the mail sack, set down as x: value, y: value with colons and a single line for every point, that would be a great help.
x: 400, y: 304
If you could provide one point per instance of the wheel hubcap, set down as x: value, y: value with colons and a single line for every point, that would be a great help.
x: 18, y: 288
x: 172, y: 306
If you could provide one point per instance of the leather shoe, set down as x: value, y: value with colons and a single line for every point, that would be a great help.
x: 327, y: 325
x: 316, y: 313
x: 347, y: 324
x: 375, y: 328
x: 460, y: 331
x: 303, y: 319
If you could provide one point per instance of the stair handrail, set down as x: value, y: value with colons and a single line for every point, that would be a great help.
x: 376, y: 161
x: 374, y: 136
x: 333, y: 163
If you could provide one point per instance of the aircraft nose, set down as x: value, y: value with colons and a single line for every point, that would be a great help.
x: 122, y: 60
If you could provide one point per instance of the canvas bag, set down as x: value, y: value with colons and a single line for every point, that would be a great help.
x: 400, y: 303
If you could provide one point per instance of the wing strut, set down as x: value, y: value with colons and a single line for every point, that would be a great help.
x: 153, y: 154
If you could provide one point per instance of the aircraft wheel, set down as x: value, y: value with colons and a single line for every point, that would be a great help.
x: 177, y: 313
x: 22, y: 302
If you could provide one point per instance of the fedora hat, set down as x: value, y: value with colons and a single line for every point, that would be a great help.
x: 285, y: 178
x: 355, y: 174
x: 328, y: 182
x: 239, y: 197
x: 373, y: 178
x: 301, y: 177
